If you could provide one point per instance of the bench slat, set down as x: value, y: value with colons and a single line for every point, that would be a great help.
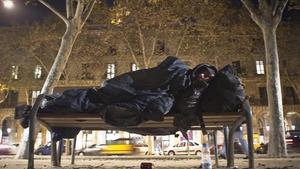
x: 94, y: 122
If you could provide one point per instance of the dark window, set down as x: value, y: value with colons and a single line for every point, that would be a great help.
x: 263, y: 96
x: 237, y: 66
x: 11, y: 99
x: 62, y: 76
x: 86, y: 72
x: 284, y: 63
x: 160, y: 47
x: 112, y: 51
x: 289, y: 96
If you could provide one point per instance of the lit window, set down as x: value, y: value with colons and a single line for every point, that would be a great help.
x: 260, y: 70
x: 15, y: 72
x: 38, y: 72
x: 34, y: 95
x: 134, y: 67
x: 111, y: 70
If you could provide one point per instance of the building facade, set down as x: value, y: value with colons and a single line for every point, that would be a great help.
x: 89, y: 68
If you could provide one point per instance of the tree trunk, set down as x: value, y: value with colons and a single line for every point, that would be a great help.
x: 61, y: 59
x: 56, y: 70
x: 277, y: 146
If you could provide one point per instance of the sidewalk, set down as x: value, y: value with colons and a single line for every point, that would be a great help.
x: 125, y: 162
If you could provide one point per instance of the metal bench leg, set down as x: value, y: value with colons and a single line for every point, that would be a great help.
x: 230, y: 149
x: 226, y: 131
x: 248, y: 112
x: 59, y: 152
x: 31, y: 140
x: 216, y: 148
x: 73, y: 150
x: 230, y: 158
x: 54, y: 161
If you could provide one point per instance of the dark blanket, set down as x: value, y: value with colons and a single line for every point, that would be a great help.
x: 127, y: 99
x: 150, y: 94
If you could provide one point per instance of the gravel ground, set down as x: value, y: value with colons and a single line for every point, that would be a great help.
x: 260, y: 163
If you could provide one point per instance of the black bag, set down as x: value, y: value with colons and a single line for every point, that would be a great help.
x: 225, y: 92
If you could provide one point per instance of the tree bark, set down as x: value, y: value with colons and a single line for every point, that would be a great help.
x: 53, y: 76
x: 277, y: 146
x: 268, y: 16
x: 73, y: 28
x: 61, y: 59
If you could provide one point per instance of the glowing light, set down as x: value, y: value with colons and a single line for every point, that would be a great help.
x: 293, y: 127
x: 291, y: 113
x: 8, y: 4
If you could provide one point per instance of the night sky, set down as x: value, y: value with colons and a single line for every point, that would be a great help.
x: 22, y: 13
x: 34, y: 11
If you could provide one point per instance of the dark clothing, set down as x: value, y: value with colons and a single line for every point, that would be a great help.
x: 170, y: 89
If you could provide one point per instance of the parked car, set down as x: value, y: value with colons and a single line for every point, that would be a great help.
x: 121, y: 146
x: 44, y: 149
x: 292, y: 142
x: 184, y: 148
x: 93, y: 149
x: 140, y: 149
x: 8, y: 149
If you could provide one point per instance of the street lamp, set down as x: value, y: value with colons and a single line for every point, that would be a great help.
x: 9, y: 4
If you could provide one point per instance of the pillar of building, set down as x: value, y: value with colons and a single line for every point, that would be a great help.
x: 18, y: 133
x: 44, y: 135
x: 150, y: 143
x: 68, y: 146
x: 102, y: 137
x: 23, y: 96
x: 12, y: 134
x: 95, y: 137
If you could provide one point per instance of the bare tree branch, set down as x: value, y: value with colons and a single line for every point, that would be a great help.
x: 154, y: 43
x: 70, y: 9
x: 250, y: 6
x: 263, y: 5
x: 87, y: 11
x: 131, y: 50
x: 4, y: 98
x: 27, y: 97
x: 292, y: 83
x: 54, y: 11
x: 79, y: 9
x: 255, y: 13
x: 181, y: 40
x: 142, y: 43
x: 274, y: 7
x: 280, y: 8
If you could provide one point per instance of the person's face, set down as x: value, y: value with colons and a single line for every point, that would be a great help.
x: 205, y: 75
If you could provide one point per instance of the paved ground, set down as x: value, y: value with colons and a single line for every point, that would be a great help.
x: 112, y: 162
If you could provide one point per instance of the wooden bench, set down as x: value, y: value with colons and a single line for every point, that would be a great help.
x: 213, y: 121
